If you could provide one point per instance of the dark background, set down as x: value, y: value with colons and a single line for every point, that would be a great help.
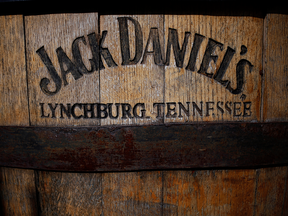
x: 209, y: 7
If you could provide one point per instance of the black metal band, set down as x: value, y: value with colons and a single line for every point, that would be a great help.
x: 120, y: 148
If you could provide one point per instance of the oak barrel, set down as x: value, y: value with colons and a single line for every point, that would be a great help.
x: 173, y: 111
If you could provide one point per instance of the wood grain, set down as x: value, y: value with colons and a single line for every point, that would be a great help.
x: 276, y: 68
x: 17, y: 192
x: 17, y: 186
x: 217, y: 192
x: 270, y: 192
x: 54, y: 31
x: 132, y: 84
x: 285, y: 202
x: 188, y: 85
x: 69, y: 193
x: 63, y: 193
x: 228, y: 192
x: 132, y: 193
x: 13, y: 84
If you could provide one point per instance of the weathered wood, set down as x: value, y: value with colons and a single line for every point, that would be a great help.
x: 17, y: 193
x: 132, y: 83
x: 270, y: 191
x: 157, y: 80
x: 69, y: 193
x: 63, y: 193
x: 13, y: 83
x: 285, y: 202
x: 275, y: 68
x: 132, y: 193
x: 272, y: 184
x: 218, y: 192
x: 50, y: 32
x: 197, y: 82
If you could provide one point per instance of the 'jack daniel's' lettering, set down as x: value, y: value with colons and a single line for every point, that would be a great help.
x: 77, y: 68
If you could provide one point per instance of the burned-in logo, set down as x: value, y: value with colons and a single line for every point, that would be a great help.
x: 76, y: 67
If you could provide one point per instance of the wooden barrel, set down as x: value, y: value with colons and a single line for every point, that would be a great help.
x: 173, y: 112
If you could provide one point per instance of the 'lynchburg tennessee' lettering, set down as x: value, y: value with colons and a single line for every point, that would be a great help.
x: 128, y: 111
x: 77, y: 68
